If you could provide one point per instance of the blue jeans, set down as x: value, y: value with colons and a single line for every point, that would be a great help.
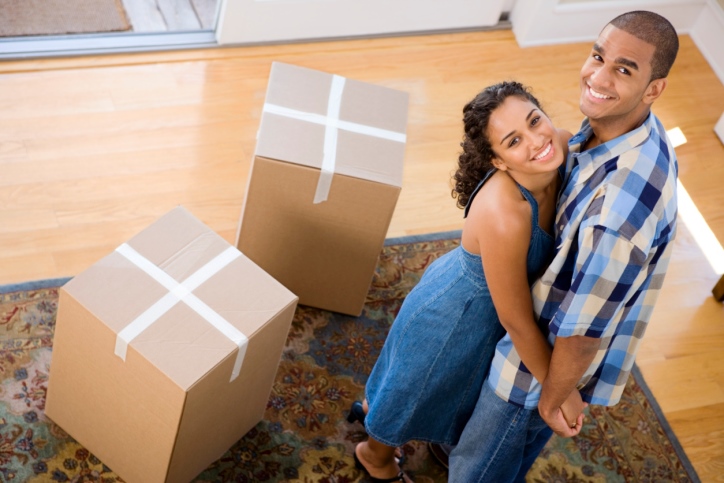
x: 500, y: 442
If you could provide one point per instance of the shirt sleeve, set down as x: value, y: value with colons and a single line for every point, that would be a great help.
x: 608, y: 266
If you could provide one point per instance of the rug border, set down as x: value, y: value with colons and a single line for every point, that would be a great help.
x: 673, y: 439
x: 428, y: 237
x: 33, y: 285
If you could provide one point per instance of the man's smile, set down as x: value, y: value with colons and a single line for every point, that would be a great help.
x: 597, y: 95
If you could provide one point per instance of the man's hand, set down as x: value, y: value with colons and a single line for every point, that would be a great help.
x: 571, y: 357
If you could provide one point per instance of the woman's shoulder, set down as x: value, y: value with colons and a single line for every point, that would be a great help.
x: 499, y: 201
x: 564, y: 134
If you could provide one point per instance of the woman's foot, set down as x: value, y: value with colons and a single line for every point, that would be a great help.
x: 378, y: 462
x: 358, y: 412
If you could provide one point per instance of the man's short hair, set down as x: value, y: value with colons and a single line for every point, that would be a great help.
x: 653, y: 29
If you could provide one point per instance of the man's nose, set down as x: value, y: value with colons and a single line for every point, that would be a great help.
x: 601, y: 76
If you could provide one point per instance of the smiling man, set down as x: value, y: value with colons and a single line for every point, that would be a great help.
x: 615, y: 224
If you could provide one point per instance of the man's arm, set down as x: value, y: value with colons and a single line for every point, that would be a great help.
x: 503, y: 242
x: 571, y: 357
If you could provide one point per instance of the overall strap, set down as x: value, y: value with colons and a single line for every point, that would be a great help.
x: 533, y: 204
x: 477, y: 188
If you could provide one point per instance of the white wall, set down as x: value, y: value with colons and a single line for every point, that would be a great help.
x: 708, y: 35
x: 254, y: 21
x: 546, y: 22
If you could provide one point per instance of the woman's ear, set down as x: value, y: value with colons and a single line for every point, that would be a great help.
x: 498, y: 163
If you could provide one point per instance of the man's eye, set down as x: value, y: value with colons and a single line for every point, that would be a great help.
x: 598, y: 57
x: 624, y: 70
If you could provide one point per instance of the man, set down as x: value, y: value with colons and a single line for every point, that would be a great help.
x: 615, y: 226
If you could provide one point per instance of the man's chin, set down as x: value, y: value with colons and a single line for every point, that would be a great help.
x: 589, y: 111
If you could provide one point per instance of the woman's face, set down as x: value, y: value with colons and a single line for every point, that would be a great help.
x: 523, y: 138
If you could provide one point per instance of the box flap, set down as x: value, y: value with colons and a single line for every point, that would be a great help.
x: 189, y: 288
x: 363, y: 125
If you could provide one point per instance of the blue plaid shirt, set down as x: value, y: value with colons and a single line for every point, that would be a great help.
x: 615, y: 225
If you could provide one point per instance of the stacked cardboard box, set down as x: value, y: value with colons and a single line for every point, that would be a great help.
x: 165, y: 351
x: 324, y: 183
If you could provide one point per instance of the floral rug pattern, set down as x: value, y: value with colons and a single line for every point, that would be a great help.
x: 304, y: 436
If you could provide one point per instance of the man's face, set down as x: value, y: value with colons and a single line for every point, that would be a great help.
x: 615, y: 78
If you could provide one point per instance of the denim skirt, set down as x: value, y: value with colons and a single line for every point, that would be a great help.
x: 428, y: 377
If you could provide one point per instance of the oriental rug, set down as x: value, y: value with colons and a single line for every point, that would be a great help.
x: 304, y: 436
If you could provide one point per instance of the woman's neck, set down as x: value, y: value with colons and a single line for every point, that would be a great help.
x: 539, y: 185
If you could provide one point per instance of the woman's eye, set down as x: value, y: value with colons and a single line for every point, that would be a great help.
x: 535, y: 121
x: 513, y: 142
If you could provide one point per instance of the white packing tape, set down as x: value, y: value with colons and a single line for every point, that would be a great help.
x: 330, y: 140
x: 181, y: 292
x: 332, y: 125
x: 340, y: 124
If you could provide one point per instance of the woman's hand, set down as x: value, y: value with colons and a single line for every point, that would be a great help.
x: 567, y: 420
x: 572, y: 409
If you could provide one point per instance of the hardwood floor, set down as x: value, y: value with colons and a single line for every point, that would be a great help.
x: 93, y: 149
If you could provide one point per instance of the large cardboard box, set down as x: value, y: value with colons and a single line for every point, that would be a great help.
x: 324, y: 182
x: 165, y: 351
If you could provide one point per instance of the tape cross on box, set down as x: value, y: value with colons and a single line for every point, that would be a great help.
x: 332, y: 125
x: 181, y: 292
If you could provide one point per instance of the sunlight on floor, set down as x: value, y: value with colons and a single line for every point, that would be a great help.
x: 690, y: 215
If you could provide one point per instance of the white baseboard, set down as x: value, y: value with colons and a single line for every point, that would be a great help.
x: 264, y: 21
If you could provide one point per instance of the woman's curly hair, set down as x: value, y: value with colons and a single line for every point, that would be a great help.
x: 476, y: 158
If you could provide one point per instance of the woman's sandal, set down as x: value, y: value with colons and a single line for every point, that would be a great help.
x: 358, y: 464
x: 357, y: 414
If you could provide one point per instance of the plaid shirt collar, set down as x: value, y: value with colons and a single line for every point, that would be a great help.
x: 590, y: 160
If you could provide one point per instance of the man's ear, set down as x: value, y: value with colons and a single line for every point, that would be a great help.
x: 654, y: 90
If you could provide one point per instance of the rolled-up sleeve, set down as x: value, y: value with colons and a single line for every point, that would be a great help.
x: 607, y: 269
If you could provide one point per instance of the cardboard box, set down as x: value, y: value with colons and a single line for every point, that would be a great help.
x: 324, y: 182
x: 201, y: 329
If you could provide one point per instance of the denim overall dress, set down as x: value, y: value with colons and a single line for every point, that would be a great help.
x: 427, y: 380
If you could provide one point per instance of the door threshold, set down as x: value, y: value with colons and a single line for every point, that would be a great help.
x: 91, y: 44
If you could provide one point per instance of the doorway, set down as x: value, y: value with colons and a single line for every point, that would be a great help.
x: 46, y: 28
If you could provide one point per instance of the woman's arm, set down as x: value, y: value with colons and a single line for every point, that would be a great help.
x: 502, y: 226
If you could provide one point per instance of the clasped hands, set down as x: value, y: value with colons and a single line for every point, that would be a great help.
x: 565, y: 420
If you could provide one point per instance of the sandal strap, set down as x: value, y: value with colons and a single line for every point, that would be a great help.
x: 400, y: 477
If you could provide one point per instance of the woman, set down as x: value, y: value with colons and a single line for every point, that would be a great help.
x: 427, y: 379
